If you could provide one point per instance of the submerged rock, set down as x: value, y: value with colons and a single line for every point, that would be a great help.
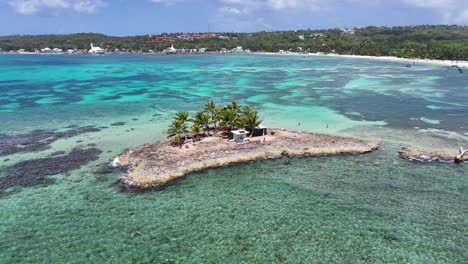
x: 36, y: 171
x: 57, y: 153
x: 35, y: 140
x: 105, y: 169
x: 38, y: 140
x: 118, y: 124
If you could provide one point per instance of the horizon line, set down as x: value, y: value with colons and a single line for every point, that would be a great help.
x: 237, y: 32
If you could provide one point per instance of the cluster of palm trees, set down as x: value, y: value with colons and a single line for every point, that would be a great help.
x: 212, y: 119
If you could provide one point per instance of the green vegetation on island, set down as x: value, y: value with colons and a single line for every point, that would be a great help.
x: 442, y: 42
x: 211, y: 120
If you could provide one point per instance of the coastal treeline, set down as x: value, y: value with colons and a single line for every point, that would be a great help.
x: 426, y: 41
x: 211, y: 121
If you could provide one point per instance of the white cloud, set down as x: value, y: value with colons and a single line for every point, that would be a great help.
x: 451, y: 11
x: 246, y: 6
x: 165, y: 2
x: 462, y: 18
x: 319, y: 4
x: 29, y: 7
x: 87, y: 6
x: 230, y: 10
x: 429, y: 3
x: 25, y: 7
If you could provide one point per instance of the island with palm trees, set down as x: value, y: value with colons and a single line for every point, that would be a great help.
x: 222, y: 136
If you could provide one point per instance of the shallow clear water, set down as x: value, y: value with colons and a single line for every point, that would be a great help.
x: 372, y: 208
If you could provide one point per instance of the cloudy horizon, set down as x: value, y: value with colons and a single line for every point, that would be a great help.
x: 125, y: 17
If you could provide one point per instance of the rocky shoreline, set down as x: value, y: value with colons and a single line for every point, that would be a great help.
x: 155, y: 165
x: 413, y: 154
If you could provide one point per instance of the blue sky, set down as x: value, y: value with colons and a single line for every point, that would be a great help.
x: 133, y: 17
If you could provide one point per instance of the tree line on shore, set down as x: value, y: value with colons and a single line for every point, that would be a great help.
x: 427, y: 41
x: 211, y: 120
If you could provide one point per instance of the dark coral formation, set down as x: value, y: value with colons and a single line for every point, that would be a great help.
x: 35, y: 172
x: 33, y: 141
x: 57, y: 153
x: 105, y: 169
x: 38, y: 140
x: 118, y: 124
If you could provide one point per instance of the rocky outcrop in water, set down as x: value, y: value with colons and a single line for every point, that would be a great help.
x: 158, y: 164
x: 419, y: 155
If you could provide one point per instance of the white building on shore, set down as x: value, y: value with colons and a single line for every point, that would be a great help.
x: 170, y: 50
x: 238, y: 50
x: 238, y: 135
x: 96, y: 50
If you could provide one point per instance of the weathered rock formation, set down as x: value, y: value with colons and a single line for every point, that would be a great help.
x: 432, y: 156
x: 157, y: 164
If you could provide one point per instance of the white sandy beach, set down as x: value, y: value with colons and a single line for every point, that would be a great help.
x: 461, y: 64
x: 449, y: 63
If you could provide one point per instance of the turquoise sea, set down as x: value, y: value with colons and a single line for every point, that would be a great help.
x: 62, y: 117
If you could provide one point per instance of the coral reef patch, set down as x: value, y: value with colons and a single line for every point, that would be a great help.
x: 38, y: 140
x: 36, y: 171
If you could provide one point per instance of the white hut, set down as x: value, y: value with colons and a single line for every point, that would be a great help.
x: 239, y: 135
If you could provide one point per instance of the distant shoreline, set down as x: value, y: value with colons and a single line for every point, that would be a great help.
x: 461, y: 64
x: 448, y: 63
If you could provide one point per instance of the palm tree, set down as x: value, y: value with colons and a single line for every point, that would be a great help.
x: 234, y: 106
x: 176, y: 129
x: 218, y: 116
x: 248, y: 111
x: 195, y: 130
x: 229, y: 118
x: 202, y: 119
x: 211, y: 108
x: 177, y: 140
x: 250, y: 118
x: 183, y: 116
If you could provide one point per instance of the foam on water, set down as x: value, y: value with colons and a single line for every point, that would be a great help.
x: 430, y: 121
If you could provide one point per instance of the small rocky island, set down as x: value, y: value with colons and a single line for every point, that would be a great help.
x: 420, y: 155
x: 221, y: 137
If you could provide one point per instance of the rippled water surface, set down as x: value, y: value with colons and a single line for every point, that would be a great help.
x: 70, y: 114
